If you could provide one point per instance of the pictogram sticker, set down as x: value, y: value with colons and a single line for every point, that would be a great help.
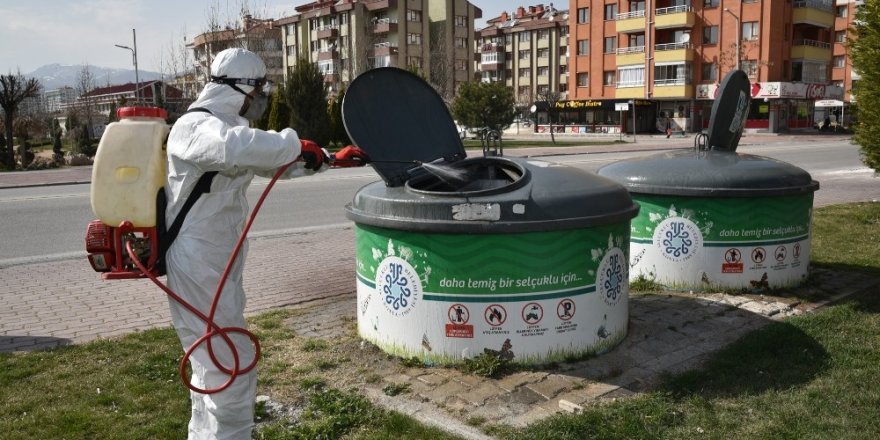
x: 532, y: 313
x: 759, y: 255
x: 459, y: 314
x: 495, y: 315
x: 565, y: 309
x: 732, y: 261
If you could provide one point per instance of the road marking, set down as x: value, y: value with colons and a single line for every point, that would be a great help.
x: 48, y: 197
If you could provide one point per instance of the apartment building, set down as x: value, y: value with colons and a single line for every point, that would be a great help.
x: 528, y: 50
x: 348, y: 37
x: 842, y: 73
x: 260, y: 36
x: 665, y: 60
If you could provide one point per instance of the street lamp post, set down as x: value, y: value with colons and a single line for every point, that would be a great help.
x: 134, y: 56
x: 738, y: 36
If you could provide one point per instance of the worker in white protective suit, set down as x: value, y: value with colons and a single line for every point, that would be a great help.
x: 218, y: 138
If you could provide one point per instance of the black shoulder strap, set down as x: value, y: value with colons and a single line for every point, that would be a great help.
x: 168, y: 234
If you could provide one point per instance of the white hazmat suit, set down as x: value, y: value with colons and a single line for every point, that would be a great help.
x: 218, y: 141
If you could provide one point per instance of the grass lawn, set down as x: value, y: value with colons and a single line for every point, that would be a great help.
x: 811, y: 376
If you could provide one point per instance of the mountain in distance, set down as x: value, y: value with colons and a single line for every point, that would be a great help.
x: 54, y: 76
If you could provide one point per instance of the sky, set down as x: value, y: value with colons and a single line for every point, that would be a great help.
x: 35, y: 33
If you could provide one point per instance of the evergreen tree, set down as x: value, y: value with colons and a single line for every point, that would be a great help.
x: 480, y: 104
x: 865, y: 49
x: 337, y: 126
x: 279, y: 115
x: 306, y: 97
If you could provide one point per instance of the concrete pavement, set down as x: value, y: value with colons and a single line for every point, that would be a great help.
x: 64, y: 302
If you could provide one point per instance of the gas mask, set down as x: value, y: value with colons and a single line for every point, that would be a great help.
x: 256, y: 108
x: 258, y: 102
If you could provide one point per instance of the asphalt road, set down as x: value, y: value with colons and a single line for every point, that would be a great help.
x: 48, y: 223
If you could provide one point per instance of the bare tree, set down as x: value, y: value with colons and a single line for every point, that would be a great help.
x: 13, y: 90
x: 85, y: 84
x: 440, y: 68
x: 551, y: 97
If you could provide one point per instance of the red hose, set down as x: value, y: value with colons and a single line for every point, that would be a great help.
x: 212, y: 328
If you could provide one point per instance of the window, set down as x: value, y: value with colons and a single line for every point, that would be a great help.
x: 525, y: 91
x: 608, y: 78
x: 291, y: 29
x: 543, y: 71
x: 543, y: 34
x: 842, y: 11
x: 637, y: 40
x: 672, y: 74
x: 563, y: 31
x: 840, y: 37
x: 291, y: 50
x: 710, y: 35
x: 415, y: 39
x: 611, y: 12
x: 414, y: 62
x: 583, y: 79
x: 461, y: 65
x: 460, y: 43
x: 543, y: 90
x: 544, y: 53
x: 583, y: 47
x: 326, y: 67
x: 583, y: 15
x: 710, y: 72
x: 413, y: 15
x: 839, y: 61
x: 563, y: 69
x: 461, y: 21
x: 750, y: 67
x: 710, y: 3
x: 343, y: 18
x: 524, y: 54
x: 610, y: 44
x: 524, y: 72
x: 314, y: 46
x: 313, y: 24
x: 563, y: 87
x: 525, y: 37
x: 636, y: 5
x: 563, y: 51
x: 751, y: 30
x: 631, y: 77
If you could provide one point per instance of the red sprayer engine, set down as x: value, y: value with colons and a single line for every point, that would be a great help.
x: 128, y: 173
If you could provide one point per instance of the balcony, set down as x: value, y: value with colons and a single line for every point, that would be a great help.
x: 811, y: 50
x: 330, y: 54
x: 813, y: 12
x: 673, y: 52
x: 384, y: 49
x: 375, y: 5
x: 675, y: 17
x: 491, y: 58
x: 630, y: 22
x: 630, y: 55
x: 673, y: 88
x: 384, y: 26
x: 491, y: 47
x: 634, y: 91
x: 328, y: 32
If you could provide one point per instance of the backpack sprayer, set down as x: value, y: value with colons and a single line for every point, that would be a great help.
x: 129, y: 238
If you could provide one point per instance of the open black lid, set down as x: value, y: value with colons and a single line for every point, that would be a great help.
x: 729, y: 112
x: 399, y: 119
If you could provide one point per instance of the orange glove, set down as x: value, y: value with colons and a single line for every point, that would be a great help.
x: 313, y: 155
x: 350, y: 156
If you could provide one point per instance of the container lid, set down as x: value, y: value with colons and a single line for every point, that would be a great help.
x: 400, y: 121
x: 537, y: 196
x: 710, y: 173
x: 729, y: 112
x: 147, y: 112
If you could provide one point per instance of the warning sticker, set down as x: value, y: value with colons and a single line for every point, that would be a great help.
x: 732, y: 261
x: 459, y: 331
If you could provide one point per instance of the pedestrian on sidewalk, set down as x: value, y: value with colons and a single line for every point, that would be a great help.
x: 217, y: 138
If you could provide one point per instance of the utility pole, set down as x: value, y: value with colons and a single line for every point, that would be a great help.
x: 738, y: 36
x: 134, y: 57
